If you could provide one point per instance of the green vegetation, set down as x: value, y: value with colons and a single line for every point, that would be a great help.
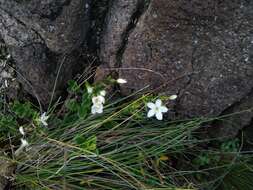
x: 68, y: 147
x: 118, y: 149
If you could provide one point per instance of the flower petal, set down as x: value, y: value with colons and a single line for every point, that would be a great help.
x: 97, y: 108
x: 93, y: 109
x: 159, y: 115
x: 173, y: 97
x: 158, y: 102
x: 100, y: 109
x: 94, y: 100
x: 21, y: 130
x: 101, y: 99
x: 44, y: 122
x: 121, y: 81
x: 151, y: 105
x: 24, y: 143
x: 151, y: 113
x: 102, y: 93
x: 44, y: 117
x: 98, y: 100
x: 164, y: 109
x: 89, y: 90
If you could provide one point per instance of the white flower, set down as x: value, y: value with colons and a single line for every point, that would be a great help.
x: 97, y: 100
x: 43, y: 119
x: 156, y: 109
x: 89, y: 90
x: 21, y: 130
x: 102, y: 93
x: 97, y: 108
x: 121, y: 81
x: 23, y: 145
x: 173, y: 97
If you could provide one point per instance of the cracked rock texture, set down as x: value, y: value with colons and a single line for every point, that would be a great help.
x: 200, y: 50
x: 42, y: 35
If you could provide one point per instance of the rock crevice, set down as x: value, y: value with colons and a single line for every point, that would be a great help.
x: 141, y: 7
x: 122, y: 18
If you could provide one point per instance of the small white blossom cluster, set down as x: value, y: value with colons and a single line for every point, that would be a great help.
x: 43, y: 119
x: 99, y: 100
x: 157, y: 109
x: 24, y: 143
x: 89, y: 89
x: 98, y: 103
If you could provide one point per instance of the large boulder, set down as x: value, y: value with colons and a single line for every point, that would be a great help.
x: 200, y: 50
x: 43, y: 37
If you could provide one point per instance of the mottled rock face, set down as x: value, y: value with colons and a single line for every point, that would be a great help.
x: 200, y: 50
x: 117, y: 23
x: 42, y: 35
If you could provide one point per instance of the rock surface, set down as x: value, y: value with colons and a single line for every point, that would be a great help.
x: 200, y: 50
x: 241, y: 114
x: 42, y: 35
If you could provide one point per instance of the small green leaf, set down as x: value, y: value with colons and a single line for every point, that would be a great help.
x: 88, y: 144
x: 72, y: 105
x: 82, y: 112
x: 84, y: 109
x: 79, y: 139
x: 24, y: 110
x: 73, y: 86
x: 8, y: 124
x: 230, y: 145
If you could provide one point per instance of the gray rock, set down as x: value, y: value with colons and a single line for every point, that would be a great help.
x: 200, y: 50
x: 117, y: 23
x: 239, y: 115
x: 120, y: 18
x: 41, y: 36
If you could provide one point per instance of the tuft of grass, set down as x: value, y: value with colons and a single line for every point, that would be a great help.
x: 119, y: 149
x: 111, y: 151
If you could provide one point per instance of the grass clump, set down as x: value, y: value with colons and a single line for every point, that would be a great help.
x: 118, y: 149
